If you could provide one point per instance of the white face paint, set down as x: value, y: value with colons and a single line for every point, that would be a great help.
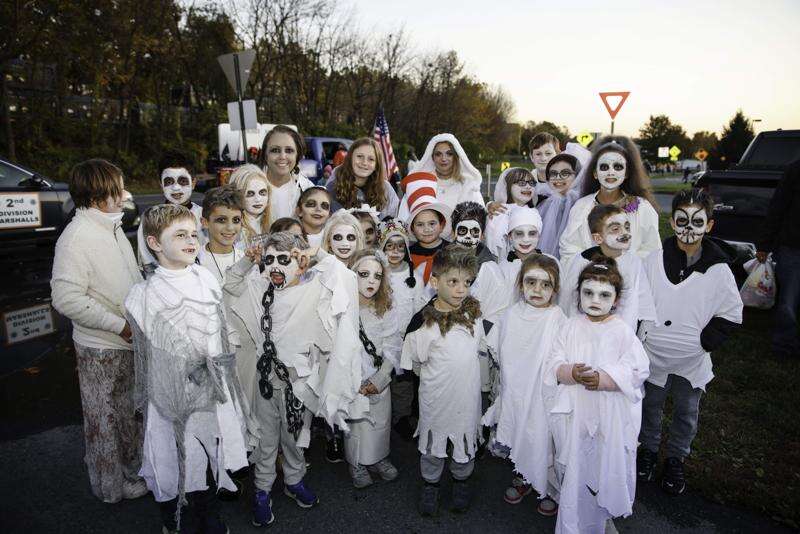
x: 177, y: 185
x: 176, y: 247
x: 343, y: 241
x: 280, y: 268
x: 537, y: 287
x: 395, y: 249
x: 597, y: 298
x: 256, y: 197
x: 522, y: 191
x: 524, y: 239
x: 370, y: 274
x: 468, y: 233
x: 617, y: 232
x: 610, y: 170
x: 690, y: 223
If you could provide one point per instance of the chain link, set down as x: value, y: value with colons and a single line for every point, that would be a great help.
x: 369, y: 346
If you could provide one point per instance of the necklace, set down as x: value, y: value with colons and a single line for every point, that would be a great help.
x: 221, y: 276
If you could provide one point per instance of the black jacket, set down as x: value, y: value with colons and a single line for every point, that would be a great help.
x: 782, y: 226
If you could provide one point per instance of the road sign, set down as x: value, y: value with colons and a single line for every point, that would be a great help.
x: 701, y: 154
x: 505, y: 165
x: 584, y: 138
x: 673, y: 158
x: 674, y: 151
x: 228, y: 62
x: 623, y: 95
x: 663, y: 152
x: 250, y: 118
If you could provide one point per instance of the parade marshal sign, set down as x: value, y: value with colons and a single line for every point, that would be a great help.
x: 20, y: 210
x: 27, y: 323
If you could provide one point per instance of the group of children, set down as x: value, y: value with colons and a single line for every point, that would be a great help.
x: 245, y: 332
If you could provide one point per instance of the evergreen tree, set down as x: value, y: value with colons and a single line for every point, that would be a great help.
x: 736, y: 137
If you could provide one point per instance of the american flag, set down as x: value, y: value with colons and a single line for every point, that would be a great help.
x: 381, y: 135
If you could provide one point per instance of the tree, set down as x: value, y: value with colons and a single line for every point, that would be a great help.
x: 660, y: 131
x: 736, y: 136
x: 531, y: 128
x: 705, y: 140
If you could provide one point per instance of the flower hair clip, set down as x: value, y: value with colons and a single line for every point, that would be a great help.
x: 366, y: 208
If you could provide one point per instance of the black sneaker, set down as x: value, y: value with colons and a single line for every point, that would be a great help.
x: 429, y: 500
x: 461, y: 496
x: 334, y: 450
x: 673, y: 481
x: 646, y: 461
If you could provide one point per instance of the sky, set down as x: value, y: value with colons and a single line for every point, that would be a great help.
x: 695, y: 61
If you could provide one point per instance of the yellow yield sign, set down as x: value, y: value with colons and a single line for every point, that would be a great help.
x: 674, y: 152
x: 584, y: 138
x: 505, y: 165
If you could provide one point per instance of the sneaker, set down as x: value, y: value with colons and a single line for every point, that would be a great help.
x: 302, y: 495
x: 517, y: 491
x: 429, y: 500
x: 262, y: 510
x: 547, y: 507
x: 360, y: 476
x: 673, y: 481
x: 646, y: 461
x: 334, y: 451
x: 134, y: 489
x: 384, y: 469
x: 404, y: 428
x: 461, y: 496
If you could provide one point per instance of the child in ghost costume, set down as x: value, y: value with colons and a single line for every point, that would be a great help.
x: 598, y: 367
x: 366, y: 447
x: 222, y: 220
x: 564, y: 173
x: 185, y: 376
x: 252, y: 185
x: 442, y: 345
x: 520, y: 190
x: 522, y: 235
x: 313, y: 210
x: 699, y: 307
x: 177, y: 184
x: 457, y: 180
x: 521, y: 343
x: 611, y: 231
x: 617, y: 177
x: 300, y: 355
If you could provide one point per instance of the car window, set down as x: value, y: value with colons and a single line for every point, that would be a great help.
x: 309, y: 150
x: 11, y: 176
x: 329, y: 149
x: 775, y: 151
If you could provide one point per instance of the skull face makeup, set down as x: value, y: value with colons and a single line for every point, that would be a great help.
x: 537, y: 287
x: 256, y: 197
x: 617, y: 232
x: 280, y: 268
x: 524, y: 239
x: 610, y: 170
x: 177, y: 185
x: 690, y: 223
x: 522, y: 192
x: 597, y: 298
x: 343, y: 242
x: 370, y: 274
x: 468, y: 233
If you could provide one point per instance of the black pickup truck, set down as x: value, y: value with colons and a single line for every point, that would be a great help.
x: 742, y: 193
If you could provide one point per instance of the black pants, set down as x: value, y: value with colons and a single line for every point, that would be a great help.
x: 201, y: 514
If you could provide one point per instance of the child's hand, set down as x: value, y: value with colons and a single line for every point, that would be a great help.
x: 578, y: 370
x: 495, y: 208
x: 254, y: 253
x: 368, y: 389
x: 304, y: 257
x: 591, y: 380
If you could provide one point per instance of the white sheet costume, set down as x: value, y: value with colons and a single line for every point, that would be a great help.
x: 596, y: 432
x: 644, y: 227
x: 521, y: 343
x: 283, y: 199
x: 635, y: 302
x: 368, y: 440
x: 406, y: 301
x: 187, y: 379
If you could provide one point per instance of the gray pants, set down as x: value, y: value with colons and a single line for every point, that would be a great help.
x: 271, y: 415
x: 402, y: 396
x: 685, y: 413
x: 432, y: 467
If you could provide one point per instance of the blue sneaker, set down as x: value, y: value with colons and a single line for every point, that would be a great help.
x: 302, y: 495
x: 262, y: 509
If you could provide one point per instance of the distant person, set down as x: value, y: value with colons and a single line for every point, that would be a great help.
x: 781, y: 236
x: 686, y: 172
x: 339, y: 155
x: 93, y: 270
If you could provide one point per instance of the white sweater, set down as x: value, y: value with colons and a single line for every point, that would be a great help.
x: 93, y: 269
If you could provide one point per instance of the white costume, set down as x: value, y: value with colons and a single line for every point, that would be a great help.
x: 521, y: 342
x: 406, y: 301
x: 644, y: 227
x: 596, y: 432
x: 217, y: 264
x: 283, y: 199
x: 187, y: 377
x: 368, y: 440
x: 450, y: 386
x: 635, y: 302
x: 146, y: 257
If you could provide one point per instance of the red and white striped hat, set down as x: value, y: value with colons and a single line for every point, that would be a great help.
x: 420, y: 195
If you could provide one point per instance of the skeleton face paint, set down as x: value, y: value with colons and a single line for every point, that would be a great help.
x: 280, y: 268
x: 524, y: 239
x: 176, y: 247
x: 690, y: 223
x: 343, y: 241
x: 522, y: 191
x: 177, y: 185
x: 256, y: 197
x: 610, y: 170
x: 597, y: 298
x: 617, y: 232
x: 370, y: 274
x: 395, y: 249
x: 537, y: 287
x: 468, y: 233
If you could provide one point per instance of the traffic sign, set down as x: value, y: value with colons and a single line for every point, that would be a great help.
x: 623, y: 97
x: 663, y: 152
x: 674, y: 152
x: 673, y: 158
x: 584, y: 138
x: 701, y: 154
x: 245, y: 59
x: 504, y: 165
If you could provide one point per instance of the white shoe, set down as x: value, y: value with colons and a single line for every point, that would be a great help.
x: 385, y: 469
x: 134, y: 489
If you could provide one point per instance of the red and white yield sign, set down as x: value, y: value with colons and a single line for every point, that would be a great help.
x: 623, y: 96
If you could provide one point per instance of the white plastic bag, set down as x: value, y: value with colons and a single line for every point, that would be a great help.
x: 758, y: 290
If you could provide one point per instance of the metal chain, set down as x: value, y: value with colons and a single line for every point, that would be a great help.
x: 294, y: 406
x: 369, y: 346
